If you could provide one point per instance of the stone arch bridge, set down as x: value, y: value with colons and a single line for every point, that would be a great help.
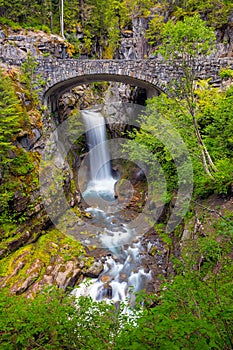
x: 60, y: 75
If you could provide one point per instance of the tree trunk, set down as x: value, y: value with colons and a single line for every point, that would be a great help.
x: 206, y: 158
x: 51, y: 16
x: 62, y: 18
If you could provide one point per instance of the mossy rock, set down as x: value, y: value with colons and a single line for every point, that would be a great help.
x: 51, y: 250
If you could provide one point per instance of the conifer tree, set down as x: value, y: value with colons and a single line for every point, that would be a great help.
x: 10, y: 114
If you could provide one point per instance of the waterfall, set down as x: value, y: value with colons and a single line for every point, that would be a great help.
x: 100, y: 168
x: 101, y: 181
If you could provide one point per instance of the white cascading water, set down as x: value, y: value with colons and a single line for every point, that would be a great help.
x: 101, y: 179
x: 122, y: 272
x: 122, y: 275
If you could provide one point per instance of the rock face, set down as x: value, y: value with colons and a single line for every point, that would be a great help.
x: 48, y: 257
x: 133, y: 43
x: 60, y: 273
x: 18, y: 45
x: 81, y: 97
x: 224, y: 37
x: 25, y: 234
x: 95, y: 270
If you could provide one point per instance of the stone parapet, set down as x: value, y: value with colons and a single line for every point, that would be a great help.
x: 153, y: 74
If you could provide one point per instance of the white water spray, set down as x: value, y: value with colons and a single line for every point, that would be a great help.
x: 101, y: 180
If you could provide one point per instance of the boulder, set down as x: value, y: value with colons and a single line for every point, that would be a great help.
x: 32, y: 273
x: 95, y: 270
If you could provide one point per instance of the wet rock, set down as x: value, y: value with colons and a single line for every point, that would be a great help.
x: 72, y: 202
x: 3, y: 252
x: 77, y: 197
x: 107, y: 291
x: 67, y: 274
x: 153, y: 250
x: 123, y: 191
x: 20, y: 202
x: 59, y: 273
x: 2, y: 35
x: 16, y: 243
x: 95, y: 270
x: 123, y: 277
x: 137, y: 175
x: 105, y: 278
x: 24, y: 141
x: 32, y: 274
x: 133, y: 43
x: 27, y: 141
x: 186, y: 235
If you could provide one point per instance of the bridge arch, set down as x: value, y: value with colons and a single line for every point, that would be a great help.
x: 153, y: 75
x: 52, y: 94
x: 62, y: 75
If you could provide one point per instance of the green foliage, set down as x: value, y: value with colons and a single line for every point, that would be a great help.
x: 10, y: 115
x: 214, y: 118
x: 21, y: 11
x: 150, y: 150
x: 101, y: 25
x: 184, y: 42
x: 101, y: 22
x: 40, y: 323
x: 226, y: 73
x: 156, y: 25
x: 216, y: 12
x: 138, y: 8
x: 10, y: 23
x: 71, y: 14
x: 31, y: 79
x: 53, y: 321
x: 18, y: 171
x: 204, y: 186
x: 213, y: 113
x: 186, y: 39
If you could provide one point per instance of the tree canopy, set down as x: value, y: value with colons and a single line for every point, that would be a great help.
x: 94, y: 27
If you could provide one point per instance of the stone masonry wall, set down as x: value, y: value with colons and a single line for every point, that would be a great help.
x: 62, y: 74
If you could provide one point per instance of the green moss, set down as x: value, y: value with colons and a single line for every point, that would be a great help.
x: 21, y: 177
x: 88, y: 262
x: 8, y: 263
x: 7, y: 230
x: 51, y: 244
x: 77, y: 211
x: 72, y: 186
x: 7, y: 240
x: 153, y: 251
x: 21, y: 164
